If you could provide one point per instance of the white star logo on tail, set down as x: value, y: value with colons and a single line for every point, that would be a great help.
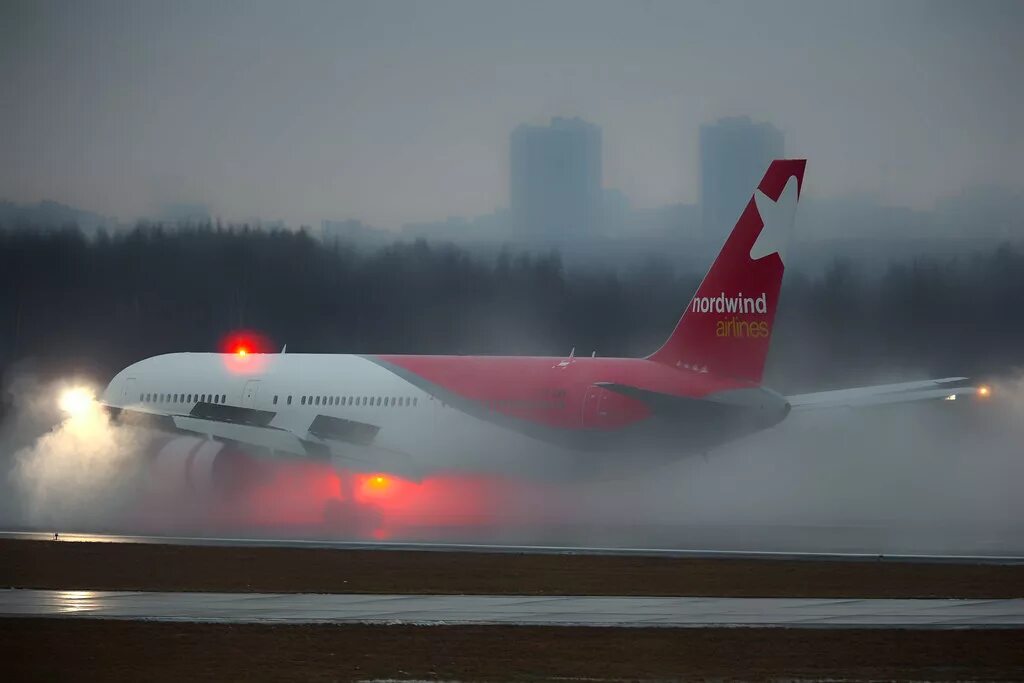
x: 778, y: 221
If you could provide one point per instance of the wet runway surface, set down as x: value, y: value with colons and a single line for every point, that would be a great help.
x: 519, y: 610
x: 711, y: 553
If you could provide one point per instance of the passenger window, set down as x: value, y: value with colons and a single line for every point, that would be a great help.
x: 385, y: 402
x: 316, y: 401
x: 415, y: 401
x: 302, y: 400
x: 289, y: 401
x: 275, y: 399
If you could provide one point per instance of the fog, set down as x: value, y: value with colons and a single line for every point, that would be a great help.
x: 935, y: 478
x: 176, y: 171
x: 400, y: 112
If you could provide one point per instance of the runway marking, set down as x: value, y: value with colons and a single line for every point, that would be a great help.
x: 551, y: 610
x: 696, y: 553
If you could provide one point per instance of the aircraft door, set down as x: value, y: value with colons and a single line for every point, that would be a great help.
x: 596, y: 407
x: 128, y: 394
x: 252, y: 387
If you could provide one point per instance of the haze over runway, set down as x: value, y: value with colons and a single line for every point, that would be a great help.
x: 401, y: 112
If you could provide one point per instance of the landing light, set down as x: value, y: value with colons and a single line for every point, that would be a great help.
x: 377, y: 484
x: 984, y: 391
x: 76, y: 400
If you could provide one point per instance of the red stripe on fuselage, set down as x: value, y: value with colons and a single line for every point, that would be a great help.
x: 553, y: 391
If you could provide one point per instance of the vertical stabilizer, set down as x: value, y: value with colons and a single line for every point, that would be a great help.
x: 726, y: 329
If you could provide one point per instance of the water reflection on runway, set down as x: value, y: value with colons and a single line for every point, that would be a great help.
x: 553, y: 610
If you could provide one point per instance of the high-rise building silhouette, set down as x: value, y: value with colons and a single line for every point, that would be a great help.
x: 555, y: 178
x: 734, y: 154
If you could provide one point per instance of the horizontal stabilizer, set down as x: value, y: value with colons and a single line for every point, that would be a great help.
x: 881, y: 394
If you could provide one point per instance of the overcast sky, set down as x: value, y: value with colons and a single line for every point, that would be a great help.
x: 399, y: 111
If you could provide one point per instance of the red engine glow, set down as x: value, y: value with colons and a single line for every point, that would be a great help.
x: 200, y: 485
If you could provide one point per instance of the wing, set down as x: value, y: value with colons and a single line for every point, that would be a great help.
x: 344, y: 443
x: 880, y: 394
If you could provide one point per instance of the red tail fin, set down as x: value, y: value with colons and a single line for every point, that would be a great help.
x: 727, y: 327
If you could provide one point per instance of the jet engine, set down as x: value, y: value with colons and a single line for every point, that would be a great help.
x: 203, y: 466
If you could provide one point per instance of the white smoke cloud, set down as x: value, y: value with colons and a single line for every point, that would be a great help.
x: 933, y: 477
x: 81, y: 471
x: 930, y: 478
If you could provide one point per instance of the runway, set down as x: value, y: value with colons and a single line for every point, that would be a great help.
x: 555, y: 610
x: 707, y: 553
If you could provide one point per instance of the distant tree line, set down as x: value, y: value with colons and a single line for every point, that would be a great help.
x: 71, y: 305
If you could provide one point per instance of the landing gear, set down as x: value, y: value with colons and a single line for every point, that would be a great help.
x: 347, y: 517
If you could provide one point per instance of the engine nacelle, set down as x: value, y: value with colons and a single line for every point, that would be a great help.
x: 203, y: 466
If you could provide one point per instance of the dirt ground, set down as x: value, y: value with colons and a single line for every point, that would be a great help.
x: 68, y: 649
x: 123, y: 566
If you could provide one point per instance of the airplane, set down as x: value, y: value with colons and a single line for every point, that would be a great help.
x: 407, y: 414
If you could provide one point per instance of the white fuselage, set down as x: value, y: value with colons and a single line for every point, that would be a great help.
x: 299, y: 387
